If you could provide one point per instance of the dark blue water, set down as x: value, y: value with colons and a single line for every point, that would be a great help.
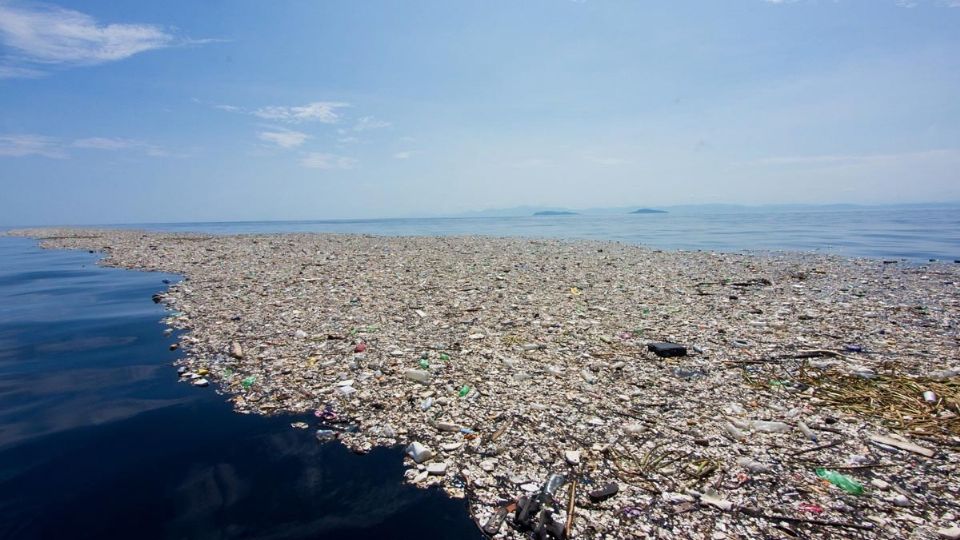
x: 912, y: 233
x: 98, y: 440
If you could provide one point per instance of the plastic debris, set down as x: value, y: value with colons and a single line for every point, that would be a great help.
x: 842, y: 481
x: 770, y: 427
x: 951, y: 533
x: 437, y: 469
x: 419, y: 452
x: 418, y: 375
x: 811, y: 508
x: 754, y: 466
x: 502, y: 309
x: 604, y: 493
x: 667, y: 350
x: 902, y: 444
x: 807, y: 432
x: 711, y: 497
x: 427, y: 403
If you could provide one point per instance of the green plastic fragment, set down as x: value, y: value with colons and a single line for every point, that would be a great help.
x: 424, y: 364
x: 464, y: 391
x: 248, y: 382
x: 444, y: 356
x: 842, y: 481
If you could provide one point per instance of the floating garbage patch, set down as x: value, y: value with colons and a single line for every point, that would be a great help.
x: 588, y: 389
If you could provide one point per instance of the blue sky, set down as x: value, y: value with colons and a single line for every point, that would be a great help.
x: 247, y: 110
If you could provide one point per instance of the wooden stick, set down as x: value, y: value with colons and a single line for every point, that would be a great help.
x: 571, y: 506
x: 815, y: 448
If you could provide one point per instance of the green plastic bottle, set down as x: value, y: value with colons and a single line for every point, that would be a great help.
x: 843, y: 482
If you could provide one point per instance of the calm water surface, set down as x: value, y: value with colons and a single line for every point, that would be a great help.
x: 98, y: 440
x: 917, y: 234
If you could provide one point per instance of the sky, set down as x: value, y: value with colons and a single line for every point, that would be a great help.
x: 134, y: 112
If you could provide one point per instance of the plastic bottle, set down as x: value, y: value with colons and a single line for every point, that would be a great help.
x: 417, y: 375
x: 770, y: 427
x: 843, y: 482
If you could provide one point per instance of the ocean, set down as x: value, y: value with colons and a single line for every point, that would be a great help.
x: 913, y: 233
x: 98, y: 440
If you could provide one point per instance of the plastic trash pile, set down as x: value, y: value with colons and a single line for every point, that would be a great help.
x: 586, y: 389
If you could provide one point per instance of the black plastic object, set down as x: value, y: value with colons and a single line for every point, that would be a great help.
x: 664, y: 350
x: 604, y: 493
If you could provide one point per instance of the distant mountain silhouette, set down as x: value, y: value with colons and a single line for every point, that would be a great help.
x: 648, y: 211
x: 555, y: 213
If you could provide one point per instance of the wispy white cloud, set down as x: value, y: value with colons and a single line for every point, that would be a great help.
x: 367, y: 123
x: 104, y: 143
x: 320, y: 160
x: 284, y: 138
x: 45, y: 35
x: 318, y: 111
x: 113, y: 144
x: 402, y: 155
x: 19, y: 145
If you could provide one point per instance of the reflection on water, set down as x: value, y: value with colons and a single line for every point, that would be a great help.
x: 97, y: 440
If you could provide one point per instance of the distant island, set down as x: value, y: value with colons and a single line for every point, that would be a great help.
x: 555, y: 213
x: 648, y: 211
